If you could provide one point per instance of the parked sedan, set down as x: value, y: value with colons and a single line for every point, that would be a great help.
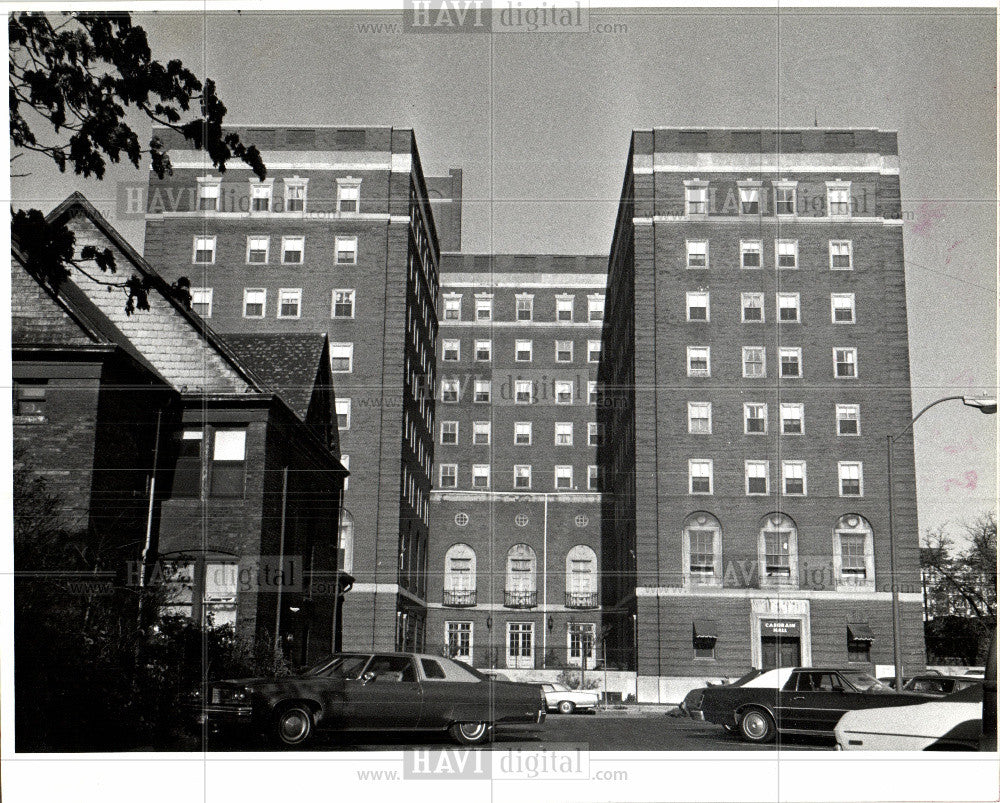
x: 796, y: 700
x: 566, y: 700
x: 940, y: 685
x: 366, y: 691
x: 949, y: 723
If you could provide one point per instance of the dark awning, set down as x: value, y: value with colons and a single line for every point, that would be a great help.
x: 859, y: 631
x: 706, y: 628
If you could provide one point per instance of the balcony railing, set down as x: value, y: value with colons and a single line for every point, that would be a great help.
x: 582, y: 599
x: 463, y: 598
x: 520, y: 599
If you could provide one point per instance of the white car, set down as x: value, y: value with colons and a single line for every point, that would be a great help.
x: 951, y: 723
x: 566, y: 700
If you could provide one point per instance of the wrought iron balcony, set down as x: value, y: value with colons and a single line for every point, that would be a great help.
x: 582, y: 599
x: 462, y: 598
x: 520, y: 599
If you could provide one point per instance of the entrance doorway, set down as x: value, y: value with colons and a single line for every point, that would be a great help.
x: 780, y: 644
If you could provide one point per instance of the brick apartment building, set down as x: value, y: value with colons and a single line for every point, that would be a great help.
x: 340, y: 238
x: 755, y: 357
x: 515, y: 514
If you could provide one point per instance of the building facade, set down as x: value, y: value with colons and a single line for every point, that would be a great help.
x: 755, y: 358
x: 340, y: 239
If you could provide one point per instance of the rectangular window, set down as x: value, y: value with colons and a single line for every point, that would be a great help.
x: 295, y: 196
x: 525, y: 306
x: 595, y: 308
x: 449, y: 433
x: 208, y: 196
x: 848, y: 419
x: 451, y: 350
x: 841, y: 255
x: 786, y: 253
x: 564, y: 433
x: 449, y: 391
x: 484, y: 350
x: 346, y: 250
x: 699, y: 361
x: 753, y: 307
x: 696, y: 199
x: 448, y: 475
x: 592, y: 392
x: 702, y: 555
x: 851, y: 479
x: 187, y: 469
x: 842, y: 307
x: 459, y: 640
x: 254, y: 302
x: 522, y: 477
x: 838, y: 200
x: 852, y: 556
x: 757, y: 476
x: 523, y: 392
x: 522, y: 433
x: 750, y: 254
x: 594, y: 429
x: 258, y: 250
x: 348, y: 198
x: 289, y: 302
x: 201, y: 301
x: 481, y: 433
x: 29, y: 396
x: 791, y: 418
x: 484, y: 307
x: 845, y: 363
x: 859, y: 651
x: 778, y: 554
x: 784, y: 199
x: 564, y: 309
x: 793, y: 477
x: 697, y: 307
x: 292, y: 250
x: 593, y: 482
x: 453, y: 307
x: 481, y: 391
x: 523, y: 350
x: 481, y: 476
x: 788, y: 307
x: 755, y: 419
x: 791, y: 362
x: 204, y: 251
x: 697, y: 253
x: 749, y: 200
x: 229, y: 452
x: 343, y: 414
x: 700, y: 418
x: 260, y: 197
x: 342, y: 357
x: 593, y: 351
x: 700, y: 476
x: 343, y: 304
x: 564, y: 478
x: 564, y: 392
x: 754, y: 362
x: 564, y: 351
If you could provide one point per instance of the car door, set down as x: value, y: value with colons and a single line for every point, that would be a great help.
x: 387, y: 696
x: 816, y: 703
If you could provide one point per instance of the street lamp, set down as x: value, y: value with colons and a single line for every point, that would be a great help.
x: 985, y: 405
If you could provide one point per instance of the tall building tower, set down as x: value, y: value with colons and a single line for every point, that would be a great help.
x: 755, y: 358
x: 339, y: 238
x: 514, y: 558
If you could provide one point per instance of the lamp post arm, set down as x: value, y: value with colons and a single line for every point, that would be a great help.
x: 909, y: 426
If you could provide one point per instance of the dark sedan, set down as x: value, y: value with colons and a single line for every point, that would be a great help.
x: 940, y: 685
x: 372, y: 691
x: 798, y: 700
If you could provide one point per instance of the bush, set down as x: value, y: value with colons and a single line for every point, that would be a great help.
x: 572, y: 679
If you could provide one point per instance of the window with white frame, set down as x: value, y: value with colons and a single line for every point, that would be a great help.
x: 346, y: 250
x: 755, y: 418
x: 595, y: 307
x: 342, y: 357
x: 697, y: 253
x: 295, y: 194
x: 593, y: 351
x: 564, y: 351
x: 448, y: 475
x: 700, y: 418
x: 524, y: 306
x: 753, y: 307
x: 258, y: 249
x: 697, y: 306
x: 564, y: 433
x: 838, y: 198
x: 854, y: 552
x: 484, y: 306
x: 791, y: 362
x: 460, y: 570
x: 348, y: 196
x: 841, y: 255
x: 481, y: 391
x: 524, y: 392
x: 788, y: 307
x: 699, y: 477
x: 481, y: 476
x: 289, y: 302
x: 750, y: 254
x: 343, y: 304
x: 749, y: 199
x: 791, y: 418
x: 458, y: 640
x: 564, y: 392
x: 449, y: 391
x: 523, y: 350
x: 581, y: 571
x: 449, y: 433
x: 784, y: 197
x: 345, y: 461
x: 786, y: 253
x: 842, y: 307
x: 581, y: 644
x: 522, y: 433
x: 848, y: 419
x: 699, y: 361
x: 483, y: 350
x: 481, y: 433
x: 845, y: 363
x: 564, y: 478
x: 453, y: 307
x: 201, y: 301
x: 254, y: 302
x: 451, y: 349
x: 209, y: 192
x: 343, y: 414
x: 593, y: 481
x: 594, y: 433
x: 703, y: 550
x: 757, y: 477
x: 292, y: 250
x: 203, y: 251
x: 754, y: 362
x: 564, y: 308
x: 695, y: 198
x: 591, y: 391
x: 522, y: 477
x: 851, y: 478
x: 260, y: 195
x: 777, y: 549
x: 793, y: 477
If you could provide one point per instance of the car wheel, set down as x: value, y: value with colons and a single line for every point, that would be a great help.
x: 566, y: 707
x: 470, y: 732
x: 293, y: 726
x: 757, y: 726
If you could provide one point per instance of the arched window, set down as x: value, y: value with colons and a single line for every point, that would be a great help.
x: 581, y: 577
x: 460, y: 575
x: 777, y: 551
x: 520, y: 589
x: 702, y: 550
x: 853, y: 553
x: 345, y: 541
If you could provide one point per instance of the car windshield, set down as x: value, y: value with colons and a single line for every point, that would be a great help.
x: 338, y: 666
x: 559, y: 687
x: 862, y: 681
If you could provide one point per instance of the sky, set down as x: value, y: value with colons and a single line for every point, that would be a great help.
x: 540, y: 124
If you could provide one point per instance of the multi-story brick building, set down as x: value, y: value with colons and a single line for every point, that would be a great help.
x: 339, y: 238
x: 755, y: 358
x: 515, y: 514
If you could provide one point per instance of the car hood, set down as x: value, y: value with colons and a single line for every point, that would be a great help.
x: 926, y: 719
